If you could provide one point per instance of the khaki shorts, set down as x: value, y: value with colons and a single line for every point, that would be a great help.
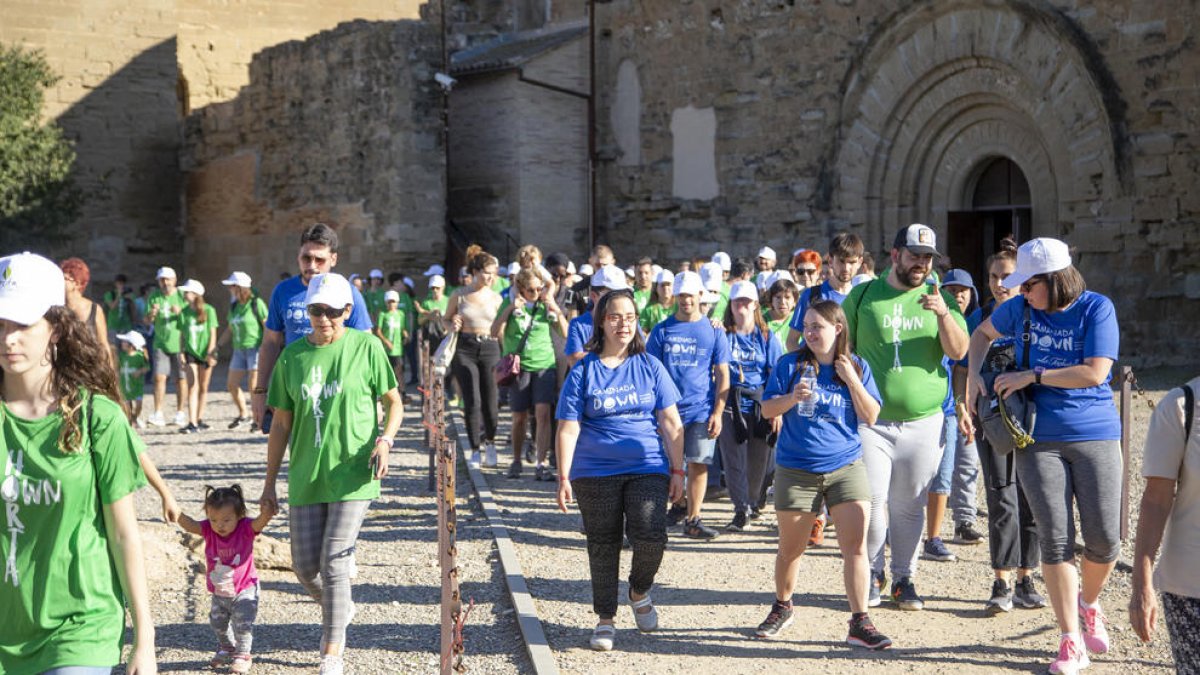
x: 797, y: 490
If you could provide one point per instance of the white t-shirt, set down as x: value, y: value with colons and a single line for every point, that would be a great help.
x: 1167, y: 457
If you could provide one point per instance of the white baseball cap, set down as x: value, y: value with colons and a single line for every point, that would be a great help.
x: 688, y: 283
x: 664, y: 276
x: 437, y: 281
x: 330, y: 289
x: 192, y: 286
x: 435, y: 270
x: 710, y: 275
x: 134, y: 338
x: 630, y: 273
x: 408, y: 282
x: 240, y: 279
x: 376, y: 273
x: 1038, y: 256
x: 514, y: 268
x: 655, y: 269
x: 918, y: 238
x: 585, y: 270
x: 743, y: 290
x: 29, y: 286
x: 766, y: 252
x: 391, y: 296
x: 165, y: 273
x: 722, y: 258
x: 610, y: 277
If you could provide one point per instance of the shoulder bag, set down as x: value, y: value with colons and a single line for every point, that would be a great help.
x: 1007, y: 422
x: 509, y: 366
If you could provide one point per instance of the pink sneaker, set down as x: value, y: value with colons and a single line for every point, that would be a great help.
x: 1095, y: 634
x: 1072, y: 657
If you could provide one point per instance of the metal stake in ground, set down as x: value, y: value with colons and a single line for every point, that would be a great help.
x: 453, y: 615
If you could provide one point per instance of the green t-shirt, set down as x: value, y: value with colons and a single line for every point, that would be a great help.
x: 899, y: 340
x: 392, y: 325
x: 331, y: 392
x: 500, y: 284
x: 61, y: 597
x: 374, y: 299
x: 653, y: 315
x: 197, y: 332
x: 538, y: 354
x: 641, y: 299
x: 781, y: 329
x: 440, y: 305
x: 133, y: 384
x: 405, y: 305
x: 246, y: 323
x: 119, y: 318
x: 167, y: 323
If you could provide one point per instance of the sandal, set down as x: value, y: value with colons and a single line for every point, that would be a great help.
x: 241, y: 663
x: 602, y: 637
x: 646, y: 621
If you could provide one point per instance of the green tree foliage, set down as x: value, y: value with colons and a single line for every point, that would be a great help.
x: 38, y: 197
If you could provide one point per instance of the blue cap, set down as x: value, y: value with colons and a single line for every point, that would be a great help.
x: 958, y: 277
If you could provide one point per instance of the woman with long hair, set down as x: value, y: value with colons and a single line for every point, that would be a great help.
x: 471, y: 311
x: 75, y: 559
x: 244, y: 327
x: 198, y: 349
x: 1075, y: 458
x: 745, y: 448
x: 620, y: 455
x: 823, y: 392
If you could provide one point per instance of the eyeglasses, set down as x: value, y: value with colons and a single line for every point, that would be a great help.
x: 331, y: 313
x: 618, y: 319
x: 1028, y: 285
x: 808, y: 271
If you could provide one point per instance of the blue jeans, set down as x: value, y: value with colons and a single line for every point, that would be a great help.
x: 958, y: 473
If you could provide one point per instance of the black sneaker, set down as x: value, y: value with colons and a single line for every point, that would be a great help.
x: 1001, y: 600
x: 254, y: 427
x: 1027, y: 596
x: 738, y: 524
x: 965, y: 533
x: 904, y: 594
x: 202, y: 425
x: 864, y: 634
x: 781, y: 617
x: 514, y: 470
x: 676, y: 514
x: 755, y: 513
x: 189, y: 429
x: 696, y: 529
x: 237, y: 422
x: 529, y: 456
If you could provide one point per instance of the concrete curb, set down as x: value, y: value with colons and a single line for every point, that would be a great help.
x: 527, y: 619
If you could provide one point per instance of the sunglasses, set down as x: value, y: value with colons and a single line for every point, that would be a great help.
x: 1028, y: 285
x: 807, y: 271
x: 331, y: 313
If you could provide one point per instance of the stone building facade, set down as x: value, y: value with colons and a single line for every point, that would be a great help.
x: 730, y: 124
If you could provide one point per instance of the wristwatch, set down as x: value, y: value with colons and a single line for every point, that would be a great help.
x: 1037, y: 374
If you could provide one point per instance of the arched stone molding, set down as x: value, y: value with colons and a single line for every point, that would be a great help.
x: 945, y: 86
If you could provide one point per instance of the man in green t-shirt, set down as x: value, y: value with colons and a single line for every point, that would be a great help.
x: 118, y: 308
x: 164, y: 311
x: 643, y: 282
x: 374, y: 291
x: 903, y: 328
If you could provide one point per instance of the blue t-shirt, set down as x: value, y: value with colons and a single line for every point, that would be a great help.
x: 829, y: 439
x: 288, y: 314
x: 579, y: 331
x: 1086, y: 329
x: 689, y: 350
x: 618, y: 426
x: 751, y: 358
x: 977, y: 318
x: 827, y: 293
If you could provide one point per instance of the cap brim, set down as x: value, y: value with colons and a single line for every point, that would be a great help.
x: 20, y: 313
x: 1015, y: 280
x: 923, y: 250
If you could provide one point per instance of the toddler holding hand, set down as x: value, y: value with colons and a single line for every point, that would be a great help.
x: 233, y: 581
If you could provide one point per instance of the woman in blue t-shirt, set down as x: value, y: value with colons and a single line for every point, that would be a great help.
x: 1076, y: 454
x: 819, y: 462
x: 615, y: 404
x: 745, y: 449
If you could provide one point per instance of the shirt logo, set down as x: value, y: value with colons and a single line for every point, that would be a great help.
x: 17, y: 490
x: 897, y: 322
x: 316, y: 391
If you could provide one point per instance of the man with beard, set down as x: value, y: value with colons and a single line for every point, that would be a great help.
x: 903, y: 327
x: 845, y: 256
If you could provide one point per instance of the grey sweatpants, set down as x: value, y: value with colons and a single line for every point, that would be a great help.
x: 901, y: 459
x: 232, y: 619
x: 744, y: 464
x: 323, y: 539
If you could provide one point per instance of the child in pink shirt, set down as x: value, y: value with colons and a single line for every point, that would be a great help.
x: 233, y: 581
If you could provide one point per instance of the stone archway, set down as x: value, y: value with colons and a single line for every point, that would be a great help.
x: 944, y: 86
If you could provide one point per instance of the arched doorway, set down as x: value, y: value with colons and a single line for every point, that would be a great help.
x: 1001, y: 206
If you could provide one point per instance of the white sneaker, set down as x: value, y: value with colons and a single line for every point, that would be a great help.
x: 603, y: 636
x: 489, y: 459
x: 474, y: 461
x: 331, y: 664
x: 139, y: 424
x: 181, y: 419
x: 156, y: 419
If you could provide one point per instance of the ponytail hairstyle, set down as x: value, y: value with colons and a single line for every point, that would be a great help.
x: 1007, y: 251
x: 217, y: 498
x: 79, y: 367
x: 831, y: 312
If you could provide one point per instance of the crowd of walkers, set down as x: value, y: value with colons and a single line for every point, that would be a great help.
x: 842, y: 398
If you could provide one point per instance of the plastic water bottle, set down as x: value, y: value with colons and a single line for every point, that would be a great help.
x: 808, y: 406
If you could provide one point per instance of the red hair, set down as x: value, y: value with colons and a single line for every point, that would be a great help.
x: 77, y: 270
x: 807, y: 256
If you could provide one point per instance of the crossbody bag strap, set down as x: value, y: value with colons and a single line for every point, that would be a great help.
x: 529, y: 328
x: 1189, y: 410
x: 1026, y: 339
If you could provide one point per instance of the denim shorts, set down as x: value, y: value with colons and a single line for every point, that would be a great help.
x: 244, y: 359
x: 698, y: 448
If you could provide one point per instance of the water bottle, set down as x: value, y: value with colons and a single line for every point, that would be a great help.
x: 808, y: 406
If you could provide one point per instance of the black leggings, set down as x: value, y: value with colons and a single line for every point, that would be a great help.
x: 1012, y: 533
x: 630, y: 504
x: 474, y: 359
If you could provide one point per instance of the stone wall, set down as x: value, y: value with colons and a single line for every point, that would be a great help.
x: 868, y: 115
x: 345, y: 128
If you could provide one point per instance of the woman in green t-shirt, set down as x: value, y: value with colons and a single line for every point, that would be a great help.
x: 70, y: 545
x: 662, y: 302
x: 198, y: 350
x: 324, y: 389
x: 782, y: 298
x: 533, y: 311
